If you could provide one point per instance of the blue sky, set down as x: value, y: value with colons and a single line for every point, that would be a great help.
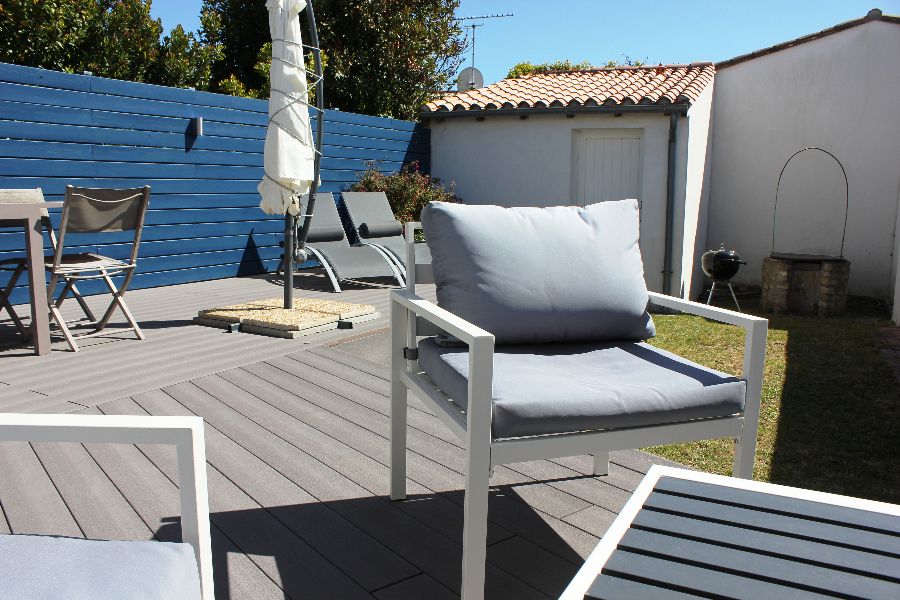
x: 601, y: 30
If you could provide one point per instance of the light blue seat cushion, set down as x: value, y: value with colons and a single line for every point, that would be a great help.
x: 563, y: 388
x: 36, y: 567
x: 533, y: 275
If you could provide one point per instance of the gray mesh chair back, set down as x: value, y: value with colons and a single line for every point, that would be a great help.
x: 328, y: 243
x: 17, y: 266
x: 97, y: 211
x: 100, y: 210
x: 374, y: 223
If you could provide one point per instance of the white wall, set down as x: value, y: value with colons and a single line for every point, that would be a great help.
x: 513, y: 162
x: 840, y: 92
x: 691, y: 211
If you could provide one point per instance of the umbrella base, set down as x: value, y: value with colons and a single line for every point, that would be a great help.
x: 268, y: 317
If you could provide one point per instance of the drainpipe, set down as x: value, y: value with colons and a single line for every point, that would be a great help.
x: 670, y: 205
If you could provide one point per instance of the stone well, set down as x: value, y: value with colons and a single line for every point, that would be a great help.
x: 805, y: 285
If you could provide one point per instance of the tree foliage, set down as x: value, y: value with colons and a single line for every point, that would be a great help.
x: 110, y: 38
x: 524, y: 69
x: 46, y: 33
x: 382, y: 57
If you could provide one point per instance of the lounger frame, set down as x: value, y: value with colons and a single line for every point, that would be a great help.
x: 412, y: 316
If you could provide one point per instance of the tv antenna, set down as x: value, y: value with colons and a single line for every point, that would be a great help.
x: 471, y: 78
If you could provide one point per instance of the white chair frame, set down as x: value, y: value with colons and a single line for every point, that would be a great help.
x: 413, y: 316
x: 185, y: 433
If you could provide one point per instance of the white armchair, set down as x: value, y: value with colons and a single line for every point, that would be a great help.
x: 114, y: 569
x: 476, y: 386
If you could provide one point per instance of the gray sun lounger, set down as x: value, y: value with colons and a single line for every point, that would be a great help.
x: 328, y: 244
x: 374, y: 223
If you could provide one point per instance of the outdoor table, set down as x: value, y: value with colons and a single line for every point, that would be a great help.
x: 28, y: 215
x: 685, y: 534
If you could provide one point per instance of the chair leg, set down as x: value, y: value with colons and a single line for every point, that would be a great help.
x: 84, y: 306
x: 119, y: 300
x: 601, y: 463
x: 475, y: 509
x: 744, y: 457
x: 57, y: 316
x: 398, y: 403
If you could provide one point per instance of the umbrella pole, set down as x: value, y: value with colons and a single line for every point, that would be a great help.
x: 288, y: 261
x: 311, y: 198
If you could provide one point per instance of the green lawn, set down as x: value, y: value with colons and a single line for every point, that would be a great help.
x: 830, y: 417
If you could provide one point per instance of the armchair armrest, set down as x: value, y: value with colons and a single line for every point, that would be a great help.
x: 185, y: 433
x: 755, y: 332
x: 715, y: 313
x: 444, y: 319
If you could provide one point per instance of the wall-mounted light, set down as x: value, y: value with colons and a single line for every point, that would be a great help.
x: 196, y: 126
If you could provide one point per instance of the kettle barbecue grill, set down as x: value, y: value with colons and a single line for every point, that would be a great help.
x: 720, y: 266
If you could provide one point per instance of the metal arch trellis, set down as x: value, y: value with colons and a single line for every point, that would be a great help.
x: 846, y: 193
x: 294, y: 239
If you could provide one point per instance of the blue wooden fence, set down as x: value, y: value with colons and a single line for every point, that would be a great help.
x: 204, y: 220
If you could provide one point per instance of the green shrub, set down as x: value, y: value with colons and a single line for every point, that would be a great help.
x: 407, y: 190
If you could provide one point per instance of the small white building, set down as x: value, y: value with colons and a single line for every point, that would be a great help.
x: 586, y: 136
x: 574, y: 138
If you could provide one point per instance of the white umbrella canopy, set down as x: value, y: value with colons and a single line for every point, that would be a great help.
x: 289, y: 159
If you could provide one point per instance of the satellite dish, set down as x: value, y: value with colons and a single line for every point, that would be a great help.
x: 469, y: 78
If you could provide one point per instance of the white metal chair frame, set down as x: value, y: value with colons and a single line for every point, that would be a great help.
x: 185, y: 433
x: 105, y: 272
x: 412, y: 316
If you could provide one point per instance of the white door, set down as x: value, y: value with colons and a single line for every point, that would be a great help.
x: 607, y: 165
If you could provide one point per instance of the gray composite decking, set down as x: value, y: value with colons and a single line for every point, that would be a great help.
x: 298, y: 461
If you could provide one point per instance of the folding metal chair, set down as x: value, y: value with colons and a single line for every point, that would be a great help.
x: 97, y: 210
x: 18, y: 265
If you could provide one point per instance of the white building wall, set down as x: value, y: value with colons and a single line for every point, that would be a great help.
x: 840, y: 93
x: 691, y: 218
x: 513, y: 162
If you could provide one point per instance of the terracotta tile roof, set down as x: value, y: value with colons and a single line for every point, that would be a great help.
x: 618, y: 86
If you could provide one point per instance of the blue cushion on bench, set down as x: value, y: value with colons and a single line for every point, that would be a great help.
x: 532, y: 275
x: 36, y: 567
x: 563, y: 388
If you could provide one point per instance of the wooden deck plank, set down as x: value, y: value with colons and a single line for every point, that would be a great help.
x: 513, y: 515
x: 154, y: 497
x: 420, y: 587
x: 520, y: 519
x: 362, y: 558
x: 569, y: 490
x: 350, y: 477
x: 30, y: 501
x: 275, y: 549
x: 96, y: 505
x: 344, y: 428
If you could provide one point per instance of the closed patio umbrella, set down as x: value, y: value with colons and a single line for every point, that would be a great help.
x: 291, y: 159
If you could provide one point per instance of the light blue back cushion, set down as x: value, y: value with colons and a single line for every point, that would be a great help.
x: 534, y: 275
x: 35, y: 567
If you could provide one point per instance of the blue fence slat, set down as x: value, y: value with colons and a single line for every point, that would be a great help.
x: 17, y: 167
x: 204, y: 222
